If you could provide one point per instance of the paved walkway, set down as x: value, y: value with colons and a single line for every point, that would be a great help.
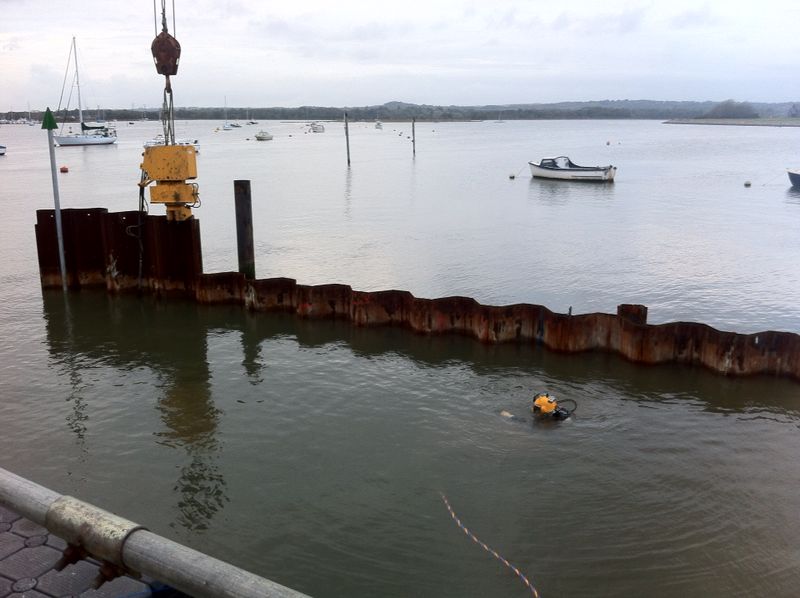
x: 28, y: 555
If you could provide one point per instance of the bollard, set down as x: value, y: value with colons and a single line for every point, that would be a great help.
x: 244, y: 228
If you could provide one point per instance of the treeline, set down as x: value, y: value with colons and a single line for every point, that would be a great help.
x: 732, y: 109
x: 400, y: 111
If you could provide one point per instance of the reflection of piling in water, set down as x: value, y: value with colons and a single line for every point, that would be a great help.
x: 95, y: 331
x: 102, y: 251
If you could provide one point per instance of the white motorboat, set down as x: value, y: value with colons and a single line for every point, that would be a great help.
x: 89, y: 134
x: 317, y: 127
x: 378, y: 124
x: 263, y: 136
x: 2, y: 150
x: 564, y: 169
x: 159, y: 140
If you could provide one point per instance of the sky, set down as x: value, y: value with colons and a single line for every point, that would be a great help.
x: 358, y: 53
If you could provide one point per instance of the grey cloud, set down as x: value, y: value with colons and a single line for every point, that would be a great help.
x: 694, y: 18
x: 625, y: 22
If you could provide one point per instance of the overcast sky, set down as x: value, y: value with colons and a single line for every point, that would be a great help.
x: 354, y: 53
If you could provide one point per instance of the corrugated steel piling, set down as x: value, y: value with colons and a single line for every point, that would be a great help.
x: 127, y: 545
x: 102, y: 251
x: 244, y: 228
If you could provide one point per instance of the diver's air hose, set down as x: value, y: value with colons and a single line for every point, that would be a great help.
x: 570, y: 411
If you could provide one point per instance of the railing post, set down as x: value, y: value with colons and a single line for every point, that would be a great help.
x: 244, y: 228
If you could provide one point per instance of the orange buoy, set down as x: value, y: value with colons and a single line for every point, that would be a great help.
x: 64, y: 169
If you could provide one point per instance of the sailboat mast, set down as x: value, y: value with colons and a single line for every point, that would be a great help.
x: 77, y: 80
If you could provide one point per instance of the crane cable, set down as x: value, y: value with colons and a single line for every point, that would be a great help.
x: 167, y: 106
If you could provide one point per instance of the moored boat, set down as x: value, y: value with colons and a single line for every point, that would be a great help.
x: 89, y: 134
x: 317, y: 127
x: 794, y: 177
x: 159, y: 140
x: 2, y: 150
x: 564, y: 169
x: 263, y: 136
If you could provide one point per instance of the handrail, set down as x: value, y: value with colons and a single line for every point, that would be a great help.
x: 126, y: 544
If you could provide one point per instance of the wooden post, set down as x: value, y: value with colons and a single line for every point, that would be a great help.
x: 414, y: 136
x: 244, y: 228
x: 347, y: 137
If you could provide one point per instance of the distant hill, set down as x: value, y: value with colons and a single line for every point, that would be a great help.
x: 602, y: 109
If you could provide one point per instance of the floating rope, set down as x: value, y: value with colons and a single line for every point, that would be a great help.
x: 491, y: 551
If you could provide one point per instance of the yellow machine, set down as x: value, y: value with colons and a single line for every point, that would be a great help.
x: 170, y: 166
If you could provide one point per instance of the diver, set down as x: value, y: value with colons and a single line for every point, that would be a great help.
x: 546, y: 407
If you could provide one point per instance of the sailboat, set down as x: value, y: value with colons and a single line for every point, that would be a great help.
x: 89, y: 134
x: 226, y: 126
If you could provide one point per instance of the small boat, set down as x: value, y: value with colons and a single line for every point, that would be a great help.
x: 263, y: 136
x: 89, y: 134
x: 317, y: 127
x: 378, y: 124
x: 159, y: 140
x: 794, y: 177
x: 564, y: 169
x: 2, y: 150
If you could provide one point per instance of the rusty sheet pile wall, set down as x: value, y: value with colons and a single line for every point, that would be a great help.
x: 103, y: 250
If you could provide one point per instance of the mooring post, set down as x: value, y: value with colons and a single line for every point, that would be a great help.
x: 347, y: 137
x: 244, y: 228
x: 49, y: 123
x: 414, y: 136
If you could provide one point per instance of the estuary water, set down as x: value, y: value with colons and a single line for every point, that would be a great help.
x: 317, y: 455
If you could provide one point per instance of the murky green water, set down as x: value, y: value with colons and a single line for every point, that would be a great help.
x: 316, y: 454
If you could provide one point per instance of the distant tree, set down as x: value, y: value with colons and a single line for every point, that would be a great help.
x: 731, y: 109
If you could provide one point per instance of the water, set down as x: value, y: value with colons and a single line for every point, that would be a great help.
x: 315, y: 454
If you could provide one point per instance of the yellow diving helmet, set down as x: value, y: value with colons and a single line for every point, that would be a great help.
x: 544, y: 404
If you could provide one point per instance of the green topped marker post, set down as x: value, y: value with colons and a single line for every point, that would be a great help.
x: 49, y: 123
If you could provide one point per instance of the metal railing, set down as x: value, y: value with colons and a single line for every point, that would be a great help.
x: 128, y: 545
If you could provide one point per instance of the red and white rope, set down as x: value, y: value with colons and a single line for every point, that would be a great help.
x: 488, y: 549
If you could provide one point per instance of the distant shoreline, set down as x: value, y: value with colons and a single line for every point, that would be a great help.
x: 737, y: 122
